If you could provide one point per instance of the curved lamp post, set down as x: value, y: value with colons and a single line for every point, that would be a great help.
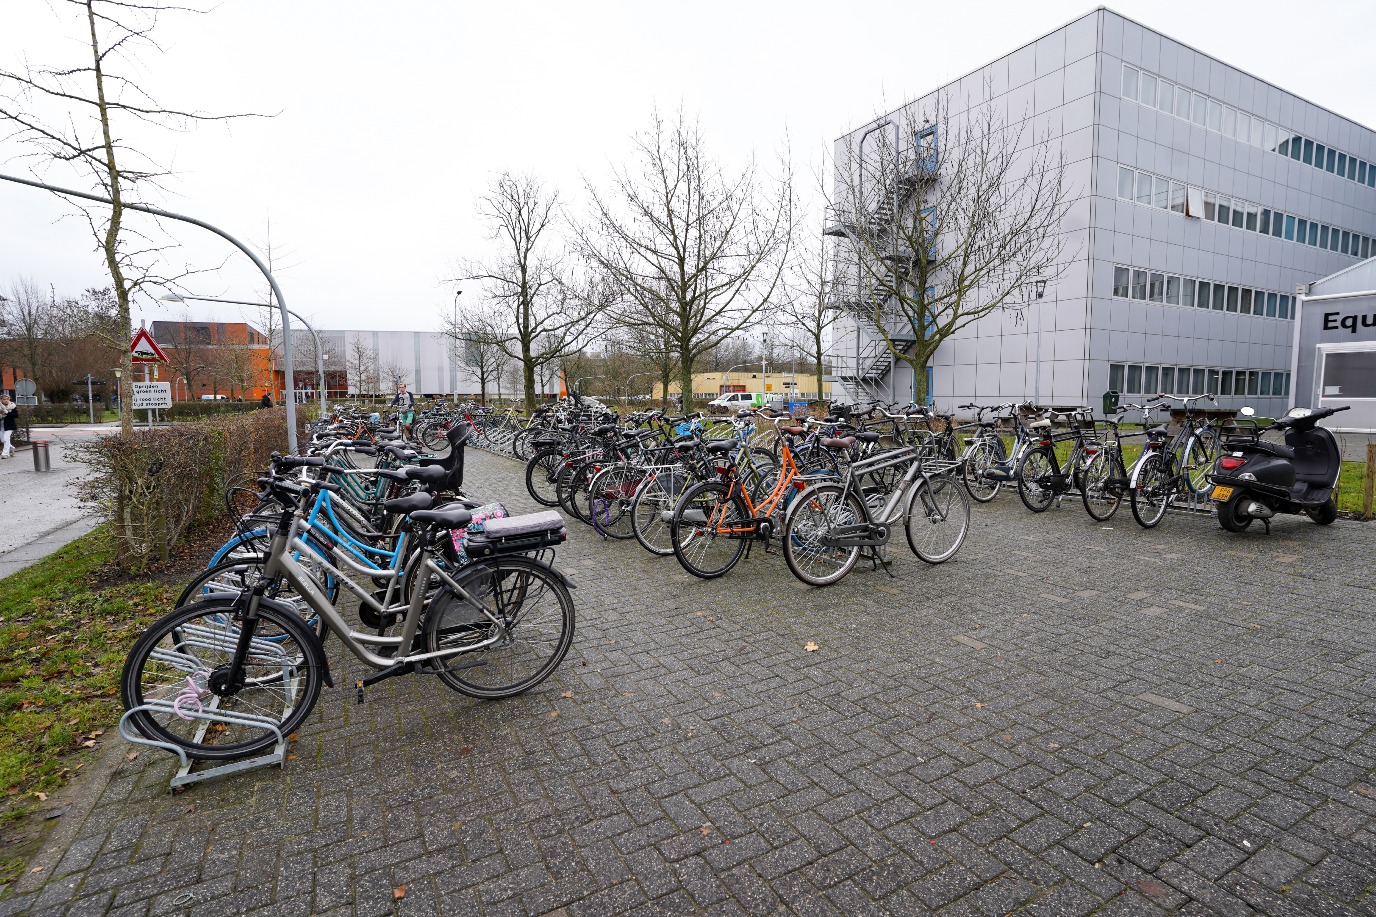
x: 319, y: 350
x: 258, y: 262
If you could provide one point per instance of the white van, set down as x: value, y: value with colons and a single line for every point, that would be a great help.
x: 731, y: 402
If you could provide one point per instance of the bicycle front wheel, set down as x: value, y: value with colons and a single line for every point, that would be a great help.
x: 652, y: 510
x: 541, y: 474
x: 179, y: 674
x: 517, y: 614
x: 811, y: 523
x: 1101, y: 496
x: 609, y: 500
x: 938, y: 518
x: 1200, y: 455
x: 1153, y: 492
x: 709, y: 528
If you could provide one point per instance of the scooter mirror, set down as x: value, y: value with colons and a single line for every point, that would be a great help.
x: 1247, y: 412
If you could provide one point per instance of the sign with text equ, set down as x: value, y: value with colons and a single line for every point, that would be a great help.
x: 151, y: 395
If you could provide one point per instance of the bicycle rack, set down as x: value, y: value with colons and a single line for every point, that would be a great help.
x: 184, y: 773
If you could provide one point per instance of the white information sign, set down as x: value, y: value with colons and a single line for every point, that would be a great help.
x: 150, y: 395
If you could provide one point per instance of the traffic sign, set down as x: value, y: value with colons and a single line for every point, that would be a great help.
x: 25, y: 387
x: 145, y: 349
x: 26, y: 399
x: 150, y: 395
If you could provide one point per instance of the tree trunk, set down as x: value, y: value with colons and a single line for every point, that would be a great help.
x: 685, y: 380
x: 528, y: 377
x: 817, y: 356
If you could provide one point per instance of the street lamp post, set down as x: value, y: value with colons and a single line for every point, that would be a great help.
x: 319, y: 350
x: 1040, y: 286
x: 635, y: 376
x: 258, y: 262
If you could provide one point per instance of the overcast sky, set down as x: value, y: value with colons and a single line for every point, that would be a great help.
x: 393, y: 117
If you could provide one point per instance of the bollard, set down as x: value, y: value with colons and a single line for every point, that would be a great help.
x: 1369, y: 481
x: 41, y: 460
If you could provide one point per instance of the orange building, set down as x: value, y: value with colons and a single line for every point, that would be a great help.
x: 231, y: 360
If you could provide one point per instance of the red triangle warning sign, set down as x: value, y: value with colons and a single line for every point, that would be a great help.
x: 146, y: 350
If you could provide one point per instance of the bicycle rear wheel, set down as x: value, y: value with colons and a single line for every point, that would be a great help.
x: 1034, y: 479
x: 1153, y: 493
x: 179, y: 669
x: 938, y: 518
x: 531, y: 633
x: 974, y: 474
x: 810, y: 522
x: 709, y: 528
x: 1200, y: 454
x: 610, y: 493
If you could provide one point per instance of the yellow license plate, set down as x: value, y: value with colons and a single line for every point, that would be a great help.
x: 1221, y: 493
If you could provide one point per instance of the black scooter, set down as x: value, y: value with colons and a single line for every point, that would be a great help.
x: 1255, y: 479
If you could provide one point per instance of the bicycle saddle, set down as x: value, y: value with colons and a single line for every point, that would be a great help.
x: 795, y: 431
x: 409, y: 504
x: 1157, y: 431
x: 844, y: 442
x: 867, y: 436
x: 1040, y: 424
x: 428, y: 476
x: 722, y: 446
x: 449, y: 517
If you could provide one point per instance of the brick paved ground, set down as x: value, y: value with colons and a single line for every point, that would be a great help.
x: 1063, y: 719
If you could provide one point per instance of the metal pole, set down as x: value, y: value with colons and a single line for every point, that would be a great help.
x: 90, y: 405
x: 258, y: 262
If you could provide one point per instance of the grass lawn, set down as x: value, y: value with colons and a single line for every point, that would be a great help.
x: 65, y: 627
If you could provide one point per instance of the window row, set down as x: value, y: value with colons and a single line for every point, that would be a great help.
x: 1133, y: 379
x: 1155, y: 92
x: 1156, y: 286
x: 1155, y: 191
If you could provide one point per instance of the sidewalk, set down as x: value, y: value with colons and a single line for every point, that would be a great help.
x: 41, y: 512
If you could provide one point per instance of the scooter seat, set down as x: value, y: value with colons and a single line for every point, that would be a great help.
x: 1279, y: 450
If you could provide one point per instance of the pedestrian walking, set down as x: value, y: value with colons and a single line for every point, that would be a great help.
x: 405, y: 403
x: 9, y: 422
x: 266, y: 401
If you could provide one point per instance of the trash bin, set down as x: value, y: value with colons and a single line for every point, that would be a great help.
x: 41, y: 460
x: 1110, y: 403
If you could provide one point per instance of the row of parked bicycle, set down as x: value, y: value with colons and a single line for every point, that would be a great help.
x: 446, y: 585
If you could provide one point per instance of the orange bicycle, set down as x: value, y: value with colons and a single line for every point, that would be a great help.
x: 714, y: 521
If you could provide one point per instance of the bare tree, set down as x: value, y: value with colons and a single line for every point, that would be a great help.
x: 946, y: 220
x: 809, y: 306
x: 362, y: 368
x: 473, y: 333
x: 26, y: 320
x: 692, y: 254
x: 187, y: 345
x: 537, y: 315
x: 78, y: 115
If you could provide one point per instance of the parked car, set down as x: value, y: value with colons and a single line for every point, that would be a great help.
x: 730, y: 402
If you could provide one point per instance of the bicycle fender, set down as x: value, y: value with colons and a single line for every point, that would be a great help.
x: 539, y: 563
x: 1137, y: 469
x: 317, y: 648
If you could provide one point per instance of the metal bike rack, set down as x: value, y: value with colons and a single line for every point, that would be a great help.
x: 184, y: 774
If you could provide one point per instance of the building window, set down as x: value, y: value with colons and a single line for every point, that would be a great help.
x: 1173, y: 290
x: 1286, y: 384
x: 1144, y: 181
x: 1265, y: 222
x: 1199, y: 113
x: 1134, y: 380
x: 1155, y: 288
x: 1120, y: 282
x: 1329, y: 160
x: 926, y: 149
x: 1225, y: 382
x: 1210, y: 206
x: 1186, y: 292
x: 1245, y: 302
x: 1215, y: 114
x: 1238, y: 208
x: 1342, y: 164
x: 1177, y: 197
x: 1270, y: 305
x: 1253, y: 381
x: 1211, y: 382
x: 1149, y: 379
x: 1309, y: 152
x: 1219, y: 296
x: 1346, y: 245
x: 1182, y: 103
x: 1203, y: 301
x: 1139, y: 284
x: 1276, y: 220
x: 1232, y: 299
x: 1229, y: 121
x: 1265, y: 383
x: 1197, y: 384
x: 1147, y: 87
x: 1115, y: 377
x: 1224, y: 209
x: 1130, y: 80
x: 1126, y: 180
x: 1168, y: 380
x: 1289, y: 228
x: 1165, y: 97
x: 1252, y: 213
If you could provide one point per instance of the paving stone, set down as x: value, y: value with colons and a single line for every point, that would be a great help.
x: 954, y: 747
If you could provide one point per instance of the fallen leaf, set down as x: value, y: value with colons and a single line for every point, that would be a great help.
x: 399, y: 892
x: 291, y: 757
x: 466, y: 750
x: 1053, y: 745
x: 42, y: 797
x: 979, y: 705
x: 36, y: 869
x: 1008, y: 736
x: 553, y: 714
x: 132, y: 755
x: 89, y: 743
x: 567, y: 694
x: 705, y: 830
x: 811, y: 647
x: 628, y: 694
x: 292, y: 737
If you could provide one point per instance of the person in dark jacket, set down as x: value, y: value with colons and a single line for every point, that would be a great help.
x: 267, y: 400
x: 9, y: 422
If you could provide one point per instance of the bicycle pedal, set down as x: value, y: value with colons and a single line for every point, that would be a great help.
x: 359, y: 695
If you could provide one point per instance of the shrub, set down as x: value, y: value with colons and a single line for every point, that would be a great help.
x: 154, y: 486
